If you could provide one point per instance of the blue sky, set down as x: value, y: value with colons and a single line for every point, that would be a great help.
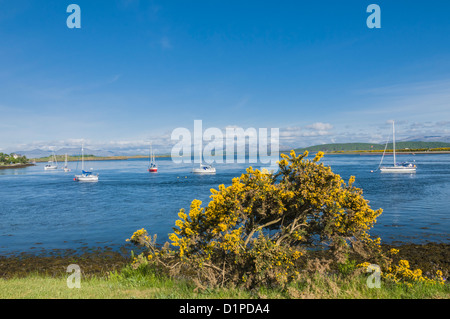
x: 138, y: 69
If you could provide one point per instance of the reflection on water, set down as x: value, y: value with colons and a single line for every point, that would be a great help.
x: 11, y: 171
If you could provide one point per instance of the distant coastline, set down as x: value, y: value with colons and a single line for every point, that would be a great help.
x: 340, y: 149
x: 398, y: 152
x: 61, y: 158
x: 124, y: 158
x: 13, y: 166
x: 405, y: 148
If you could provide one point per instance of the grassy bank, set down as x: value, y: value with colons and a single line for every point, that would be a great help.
x: 148, y: 284
x: 108, y: 275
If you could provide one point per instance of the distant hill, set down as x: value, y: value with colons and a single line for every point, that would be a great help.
x: 412, y: 145
x: 38, y: 153
x: 336, y: 147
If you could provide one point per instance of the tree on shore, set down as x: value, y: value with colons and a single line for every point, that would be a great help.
x: 6, y: 159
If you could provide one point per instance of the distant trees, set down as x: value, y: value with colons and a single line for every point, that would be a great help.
x: 12, y: 158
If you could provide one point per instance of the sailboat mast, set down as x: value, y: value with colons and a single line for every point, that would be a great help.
x: 393, y: 140
x: 82, y: 157
x: 151, y: 156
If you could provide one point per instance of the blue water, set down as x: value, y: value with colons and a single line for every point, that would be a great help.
x: 45, y: 210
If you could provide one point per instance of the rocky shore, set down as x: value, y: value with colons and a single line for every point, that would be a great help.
x: 428, y: 257
x: 94, y: 262
x: 13, y: 166
x: 98, y: 262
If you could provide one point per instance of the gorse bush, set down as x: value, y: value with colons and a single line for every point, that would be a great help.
x: 263, y: 228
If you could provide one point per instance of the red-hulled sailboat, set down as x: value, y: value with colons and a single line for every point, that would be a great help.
x: 152, y: 166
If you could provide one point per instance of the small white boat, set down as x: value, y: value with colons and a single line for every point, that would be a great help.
x: 204, y: 169
x: 52, y: 163
x: 85, y: 175
x: 397, y: 168
x: 410, y: 168
x: 66, y: 168
x: 50, y: 166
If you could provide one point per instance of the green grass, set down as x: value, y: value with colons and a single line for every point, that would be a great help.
x: 146, y: 283
x: 41, y: 287
x: 338, y: 287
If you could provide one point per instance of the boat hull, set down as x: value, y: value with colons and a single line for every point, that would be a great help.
x: 204, y: 171
x: 90, y: 178
x: 153, y: 170
x: 47, y: 168
x: 398, y: 169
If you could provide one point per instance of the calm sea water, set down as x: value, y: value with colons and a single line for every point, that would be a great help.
x: 46, y: 210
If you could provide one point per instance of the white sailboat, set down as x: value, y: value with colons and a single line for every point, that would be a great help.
x: 204, y: 168
x: 152, y: 166
x: 397, y: 168
x: 85, y: 176
x: 66, y: 168
x: 52, y: 163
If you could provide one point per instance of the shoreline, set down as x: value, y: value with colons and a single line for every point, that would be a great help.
x: 387, y: 153
x: 99, y: 158
x: 119, y: 158
x: 92, y: 262
x: 374, y: 153
x: 99, y: 261
x: 13, y: 166
x: 124, y: 158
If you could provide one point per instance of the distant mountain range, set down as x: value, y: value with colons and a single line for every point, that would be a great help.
x: 162, y: 150
x: 415, y: 142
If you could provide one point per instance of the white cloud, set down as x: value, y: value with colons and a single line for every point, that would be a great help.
x: 316, y: 133
x: 320, y: 126
x: 292, y: 136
